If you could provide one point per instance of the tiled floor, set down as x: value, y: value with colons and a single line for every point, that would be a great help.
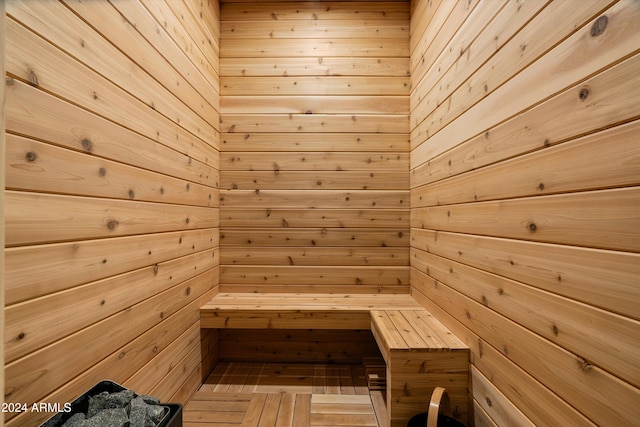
x: 300, y: 395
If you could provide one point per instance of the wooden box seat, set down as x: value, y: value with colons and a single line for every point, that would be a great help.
x: 419, y: 352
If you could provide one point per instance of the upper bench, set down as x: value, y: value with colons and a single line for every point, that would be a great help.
x: 299, y: 311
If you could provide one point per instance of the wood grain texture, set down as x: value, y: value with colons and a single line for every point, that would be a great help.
x: 112, y: 176
x: 542, y: 159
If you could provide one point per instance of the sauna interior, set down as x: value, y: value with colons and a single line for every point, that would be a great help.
x: 210, y: 202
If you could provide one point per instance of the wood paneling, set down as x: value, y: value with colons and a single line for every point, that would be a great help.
x: 112, y: 197
x: 314, y: 146
x: 2, y: 202
x: 524, y: 202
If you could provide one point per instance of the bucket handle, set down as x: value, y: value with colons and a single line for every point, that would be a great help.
x: 439, y: 403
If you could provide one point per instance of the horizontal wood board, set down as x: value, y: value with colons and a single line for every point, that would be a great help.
x: 524, y: 207
x: 112, y: 113
x: 314, y: 146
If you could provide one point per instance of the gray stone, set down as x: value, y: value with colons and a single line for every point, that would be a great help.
x: 138, y: 412
x: 76, y: 420
x: 151, y: 400
x: 114, y: 417
x: 155, y: 413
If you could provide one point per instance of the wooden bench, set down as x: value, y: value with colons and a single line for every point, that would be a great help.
x: 419, y: 352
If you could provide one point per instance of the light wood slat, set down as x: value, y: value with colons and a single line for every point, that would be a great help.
x: 300, y: 180
x: 317, y: 142
x: 304, y: 218
x: 619, y: 42
x: 33, y: 56
x: 323, y: 301
x: 302, y: 411
x: 317, y: 123
x: 584, y: 219
x: 36, y: 166
x: 314, y: 86
x: 314, y: 256
x: 331, y: 29
x: 312, y: 104
x: 274, y: 48
x: 594, y: 392
x: 313, y: 288
x: 35, y: 376
x: 387, y: 336
x: 446, y: 20
x: 70, y: 218
x: 407, y: 331
x: 326, y: 237
x: 182, y: 59
x: 287, y: 410
x: 466, y: 40
x: 80, y: 307
x: 573, y: 272
x: 232, y: 11
x: 93, y: 260
x: 55, y: 20
x: 495, y: 403
x: 254, y: 412
x: 525, y: 180
x: 493, y: 72
x: 270, y: 411
x: 316, y: 199
x: 613, y: 340
x: 354, y: 276
x: 308, y: 161
x: 609, y: 101
x: 321, y: 66
x: 187, y: 33
x: 204, y: 31
x: 36, y: 113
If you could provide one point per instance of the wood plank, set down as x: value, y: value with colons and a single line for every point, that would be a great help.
x: 314, y: 289
x: 391, y: 10
x: 312, y: 161
x: 286, y: 412
x: 2, y: 201
x: 599, y: 278
x: 495, y: 403
x: 36, y: 166
x: 254, y: 412
x: 321, y: 66
x: 407, y: 331
x: 313, y: 104
x: 43, y: 116
x: 92, y: 91
x: 583, y: 219
x: 314, y: 256
x: 270, y: 411
x: 93, y: 260
x: 314, y: 199
x: 53, y: 23
x: 594, y: 392
x: 316, y: 123
x: 609, y: 102
x: 40, y: 374
x: 305, y: 218
x: 314, y: 86
x: 387, y: 336
x: 302, y: 411
x: 71, y: 218
x: 613, y: 340
x: 300, y: 180
x: 317, y: 142
x: 615, y: 168
x: 616, y: 44
x: 337, y: 275
x: 77, y: 308
x: 331, y: 29
x: 325, y: 237
x: 263, y: 48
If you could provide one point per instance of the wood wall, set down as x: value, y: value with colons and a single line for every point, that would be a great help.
x: 112, y: 202
x: 314, y: 185
x: 525, y: 212
x: 2, y: 179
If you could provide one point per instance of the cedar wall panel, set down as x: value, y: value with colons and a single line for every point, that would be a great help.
x: 2, y: 179
x: 112, y: 133
x: 314, y: 161
x: 525, y: 201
